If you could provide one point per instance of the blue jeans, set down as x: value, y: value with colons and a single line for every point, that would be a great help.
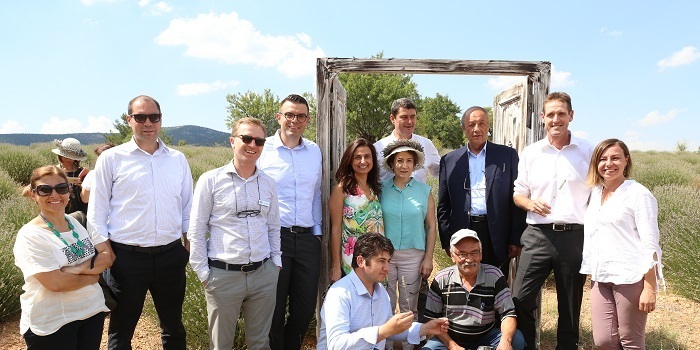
x: 492, y: 338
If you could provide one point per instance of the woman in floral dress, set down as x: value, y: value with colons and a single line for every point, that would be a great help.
x: 354, y: 204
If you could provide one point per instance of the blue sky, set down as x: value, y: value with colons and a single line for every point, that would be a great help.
x: 631, y: 68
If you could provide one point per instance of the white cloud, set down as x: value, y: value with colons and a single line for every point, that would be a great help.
x: 655, y: 117
x: 686, y: 55
x: 607, y: 32
x: 159, y: 8
x: 11, y: 127
x: 580, y: 134
x: 92, y: 2
x: 634, y: 141
x: 144, y: 3
x: 56, y: 125
x: 228, y: 38
x: 558, y: 80
x: 193, y: 89
x: 99, y: 124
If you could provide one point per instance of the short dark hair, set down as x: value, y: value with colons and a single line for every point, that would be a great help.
x: 298, y: 99
x: 558, y: 96
x: 369, y: 245
x: 139, y: 97
x: 471, y: 110
x: 103, y: 148
x: 402, y: 103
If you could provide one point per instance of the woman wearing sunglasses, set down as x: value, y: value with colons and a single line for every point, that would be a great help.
x: 62, y: 304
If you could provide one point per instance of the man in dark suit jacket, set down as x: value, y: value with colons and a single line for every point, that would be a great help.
x: 476, y: 192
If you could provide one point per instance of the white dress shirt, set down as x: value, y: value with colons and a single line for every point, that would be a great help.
x: 432, y: 158
x: 297, y: 172
x: 141, y: 199
x: 220, y: 193
x: 558, y: 177
x: 350, y: 317
x: 621, y: 235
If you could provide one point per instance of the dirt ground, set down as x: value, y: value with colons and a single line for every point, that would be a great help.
x: 674, y: 325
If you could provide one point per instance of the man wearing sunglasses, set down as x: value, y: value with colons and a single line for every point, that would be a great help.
x: 295, y: 164
x: 141, y: 201
x: 238, y: 265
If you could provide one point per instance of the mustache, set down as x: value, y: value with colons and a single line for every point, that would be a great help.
x: 466, y: 264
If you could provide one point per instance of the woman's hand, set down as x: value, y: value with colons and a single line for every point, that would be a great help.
x: 647, y: 301
x: 75, y: 270
x: 335, y: 273
x: 426, y: 267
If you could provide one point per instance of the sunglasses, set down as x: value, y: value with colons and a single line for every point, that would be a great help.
x: 259, y: 141
x: 141, y: 118
x: 248, y: 213
x: 46, y: 190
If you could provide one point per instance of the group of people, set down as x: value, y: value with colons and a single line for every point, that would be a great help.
x: 251, y: 230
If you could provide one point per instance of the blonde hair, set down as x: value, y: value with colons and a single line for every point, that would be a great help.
x: 593, y: 178
x: 249, y: 121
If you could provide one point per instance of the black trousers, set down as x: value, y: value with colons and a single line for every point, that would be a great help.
x: 77, y: 335
x: 488, y: 255
x: 298, y: 283
x: 545, y: 250
x: 135, y: 273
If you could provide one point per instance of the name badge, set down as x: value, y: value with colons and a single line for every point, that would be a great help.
x: 264, y: 203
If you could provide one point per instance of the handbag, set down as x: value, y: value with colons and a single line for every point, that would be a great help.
x: 110, y: 298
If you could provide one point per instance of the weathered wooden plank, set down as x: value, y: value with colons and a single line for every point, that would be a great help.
x: 436, y: 66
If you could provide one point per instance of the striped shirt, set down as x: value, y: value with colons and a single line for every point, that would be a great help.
x: 139, y: 198
x: 471, y: 313
x: 220, y: 194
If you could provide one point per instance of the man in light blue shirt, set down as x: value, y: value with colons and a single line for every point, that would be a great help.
x: 356, y: 313
x: 295, y: 164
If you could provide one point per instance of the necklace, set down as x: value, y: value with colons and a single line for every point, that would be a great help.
x: 77, y: 251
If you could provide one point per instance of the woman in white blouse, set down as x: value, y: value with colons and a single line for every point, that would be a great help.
x: 621, y: 249
x: 62, y: 305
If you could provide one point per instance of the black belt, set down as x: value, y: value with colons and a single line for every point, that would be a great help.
x: 249, y: 267
x: 478, y: 218
x: 148, y: 250
x: 298, y: 229
x: 560, y: 227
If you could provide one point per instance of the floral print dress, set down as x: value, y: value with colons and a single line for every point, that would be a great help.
x: 360, y: 215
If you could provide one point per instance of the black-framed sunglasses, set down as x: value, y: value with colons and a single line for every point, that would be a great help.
x: 46, y: 190
x: 248, y: 213
x: 259, y: 141
x: 141, y: 118
x: 299, y: 117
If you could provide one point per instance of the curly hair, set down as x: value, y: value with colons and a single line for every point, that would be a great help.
x: 346, y: 175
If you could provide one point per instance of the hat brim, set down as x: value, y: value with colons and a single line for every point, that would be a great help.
x: 420, y: 158
x: 69, y: 155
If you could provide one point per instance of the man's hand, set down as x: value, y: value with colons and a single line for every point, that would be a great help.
x: 504, y: 345
x: 398, y: 323
x: 435, y: 327
x: 513, y: 251
x: 539, y: 207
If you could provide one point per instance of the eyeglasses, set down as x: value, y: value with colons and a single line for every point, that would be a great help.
x: 464, y: 256
x: 141, y: 118
x: 299, y: 117
x: 247, y: 213
x: 46, y: 190
x: 259, y: 141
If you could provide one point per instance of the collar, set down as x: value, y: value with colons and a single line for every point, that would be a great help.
x: 230, y: 169
x: 573, y: 141
x: 276, y: 140
x: 483, y: 150
x: 457, y: 278
x: 360, y: 287
x: 410, y: 183
x: 131, y: 146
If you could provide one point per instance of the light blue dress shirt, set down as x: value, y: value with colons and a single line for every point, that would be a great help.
x: 404, y: 211
x: 477, y: 181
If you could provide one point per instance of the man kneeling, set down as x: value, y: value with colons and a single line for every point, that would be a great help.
x: 472, y: 295
x: 356, y: 313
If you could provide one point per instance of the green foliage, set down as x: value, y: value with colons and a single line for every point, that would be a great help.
x: 369, y: 98
x: 439, y: 119
x: 124, y: 133
x: 310, y: 132
x: 8, y: 187
x: 19, y: 162
x: 682, y: 146
x: 252, y: 104
x: 655, y: 169
x: 14, y: 213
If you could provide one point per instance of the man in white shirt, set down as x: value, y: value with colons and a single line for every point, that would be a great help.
x: 141, y: 202
x: 356, y: 313
x: 236, y: 206
x: 403, y: 116
x: 295, y: 164
x: 551, y: 187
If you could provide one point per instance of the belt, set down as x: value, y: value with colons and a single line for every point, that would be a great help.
x: 148, y: 250
x: 560, y: 227
x: 477, y: 218
x: 249, y: 267
x: 297, y: 229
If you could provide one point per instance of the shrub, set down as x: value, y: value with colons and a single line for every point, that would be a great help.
x: 8, y: 187
x: 19, y: 162
x: 14, y: 213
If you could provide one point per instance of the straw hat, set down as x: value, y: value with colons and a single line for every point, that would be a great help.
x: 69, y: 148
x: 405, y: 145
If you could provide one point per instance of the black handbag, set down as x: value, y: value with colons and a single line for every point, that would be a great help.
x: 110, y: 299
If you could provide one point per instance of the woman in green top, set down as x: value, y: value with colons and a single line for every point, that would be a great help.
x: 354, y: 204
x: 409, y: 222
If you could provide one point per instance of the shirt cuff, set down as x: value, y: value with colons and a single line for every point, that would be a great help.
x: 317, y: 230
x: 369, y: 334
x: 277, y: 260
x: 414, y: 333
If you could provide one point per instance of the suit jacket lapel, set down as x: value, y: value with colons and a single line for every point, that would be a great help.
x: 462, y: 168
x: 490, y: 169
